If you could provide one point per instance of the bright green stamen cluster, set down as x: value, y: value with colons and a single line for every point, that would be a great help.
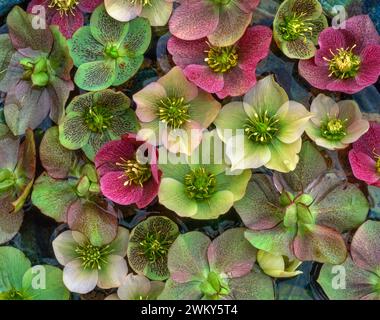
x: 222, y: 59
x: 12, y: 294
x: 214, y: 287
x: 112, y: 51
x: 173, y: 111
x: 294, y: 27
x: 261, y: 128
x: 200, y: 184
x: 64, y: 6
x: 36, y: 70
x: 93, y: 257
x: 155, y: 246
x: 98, y: 118
x: 378, y: 165
x: 136, y: 172
x: 344, y: 64
x: 142, y: 2
x: 334, y: 129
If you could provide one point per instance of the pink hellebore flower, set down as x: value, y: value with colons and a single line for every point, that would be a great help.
x: 226, y: 71
x: 365, y: 156
x: 67, y: 14
x: 124, y: 177
x: 348, y: 59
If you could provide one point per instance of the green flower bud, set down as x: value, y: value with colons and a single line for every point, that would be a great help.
x: 90, y: 171
x: 286, y: 199
x: 83, y: 186
x: 277, y: 266
x: 304, y: 214
x: 40, y: 79
x: 305, y: 199
x: 290, y: 219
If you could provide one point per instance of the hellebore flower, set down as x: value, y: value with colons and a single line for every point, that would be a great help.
x: 87, y: 266
x: 277, y: 266
x: 148, y: 247
x: 174, y: 112
x: 306, y: 218
x: 214, y: 270
x: 17, y: 171
x: 137, y: 287
x: 297, y: 26
x: 223, y: 22
x: 361, y: 269
x: 226, y: 71
x: 201, y: 186
x: 69, y: 192
x: 156, y: 11
x: 68, y: 15
x: 36, y: 73
x: 335, y: 125
x: 125, y: 177
x: 348, y: 60
x: 266, y: 128
x: 95, y: 118
x: 108, y: 52
x: 365, y: 156
x: 18, y: 278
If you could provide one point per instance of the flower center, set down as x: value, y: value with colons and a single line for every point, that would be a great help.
x: 173, y: 111
x: 98, y: 118
x: 344, y: 64
x: 221, y: 2
x: 261, y: 128
x: 214, y: 287
x: 36, y: 70
x: 93, y: 257
x: 112, y: 51
x: 64, y: 6
x: 136, y: 172
x: 334, y: 129
x: 142, y: 2
x: 378, y: 165
x: 297, y: 209
x: 7, y: 179
x: 200, y: 184
x: 222, y: 59
x: 155, y: 246
x: 295, y: 27
x: 12, y: 294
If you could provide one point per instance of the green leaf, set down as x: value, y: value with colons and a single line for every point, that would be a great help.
x: 59, y: 58
x: 6, y: 53
x: 181, y: 291
x: 44, y: 282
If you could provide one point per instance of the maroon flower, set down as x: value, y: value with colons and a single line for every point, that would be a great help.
x: 67, y: 14
x: 348, y: 59
x: 124, y: 178
x: 226, y: 71
x: 365, y: 156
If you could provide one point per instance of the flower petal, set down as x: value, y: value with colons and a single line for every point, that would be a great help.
x: 204, y: 78
x: 123, y: 10
x: 79, y: 280
x: 187, y: 52
x: 113, y: 272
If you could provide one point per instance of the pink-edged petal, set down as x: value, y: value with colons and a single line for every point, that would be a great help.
x: 370, y: 141
x: 317, y: 76
x: 68, y: 24
x: 187, y: 52
x: 64, y: 246
x: 89, y: 5
x: 194, y: 20
x: 363, y: 167
x: 237, y: 82
x: 254, y: 46
x: 355, y: 131
x: 113, y: 272
x: 364, y: 31
x: 365, y: 246
x: 112, y: 186
x: 349, y: 86
x: 147, y: 101
x: 321, y: 107
x: 79, y: 280
x: 370, y: 68
x: 123, y: 10
x: 205, y: 78
x: 150, y: 192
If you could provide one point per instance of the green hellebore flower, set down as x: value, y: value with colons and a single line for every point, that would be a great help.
x: 95, y: 118
x: 297, y: 26
x: 18, y: 278
x: 277, y: 266
x: 108, y: 52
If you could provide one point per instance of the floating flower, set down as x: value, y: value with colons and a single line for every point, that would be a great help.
x: 95, y: 118
x: 213, y: 270
x: 36, y: 78
x: 223, y: 22
x: 297, y: 26
x: 201, y: 187
x: 335, y: 125
x: 306, y: 218
x: 87, y: 266
x: 20, y: 281
x: 348, y: 60
x: 148, y: 247
x: 277, y: 266
x: 174, y: 112
x: 67, y: 14
x: 266, y: 128
x: 156, y: 11
x: 361, y: 269
x: 137, y: 287
x: 226, y: 71
x: 108, y: 52
x: 124, y: 177
x: 365, y: 156
x: 17, y: 171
